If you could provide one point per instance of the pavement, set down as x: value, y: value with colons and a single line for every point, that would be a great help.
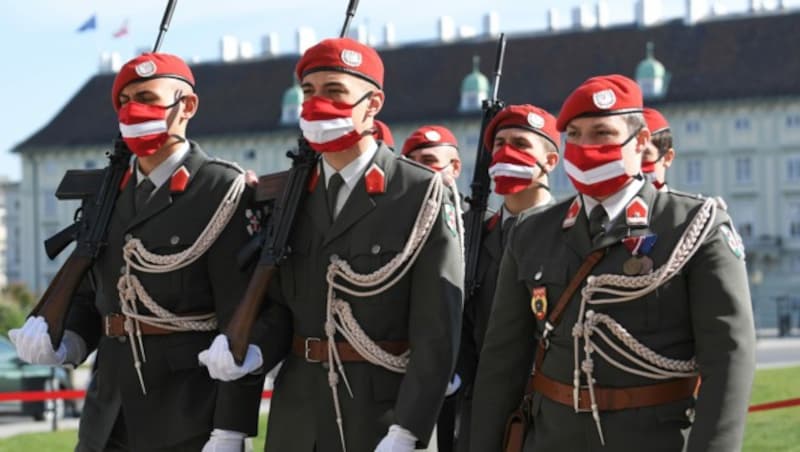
x: 771, y: 352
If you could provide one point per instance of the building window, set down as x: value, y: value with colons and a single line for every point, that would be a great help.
x: 793, y: 219
x: 250, y: 154
x: 692, y: 126
x: 742, y: 124
x: 793, y: 168
x: 745, y: 230
x: 744, y: 170
x: 49, y: 204
x: 90, y: 164
x: 793, y: 121
x: 794, y: 263
x: 694, y: 171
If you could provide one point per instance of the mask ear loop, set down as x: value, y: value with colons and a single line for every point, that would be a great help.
x: 543, y: 172
x: 372, y: 130
x: 174, y: 113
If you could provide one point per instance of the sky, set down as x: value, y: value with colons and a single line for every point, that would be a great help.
x: 45, y: 61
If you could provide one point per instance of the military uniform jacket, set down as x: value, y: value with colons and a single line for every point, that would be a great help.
x: 703, y: 311
x: 182, y: 401
x: 424, y: 308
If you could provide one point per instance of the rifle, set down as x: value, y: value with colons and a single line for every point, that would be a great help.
x: 98, y: 190
x: 479, y: 196
x: 283, y: 205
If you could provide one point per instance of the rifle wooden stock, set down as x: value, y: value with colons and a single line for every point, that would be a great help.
x: 56, y: 300
x: 241, y: 324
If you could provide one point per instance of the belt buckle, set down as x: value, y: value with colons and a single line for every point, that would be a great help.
x: 308, y: 350
x: 107, y: 322
x: 577, y: 406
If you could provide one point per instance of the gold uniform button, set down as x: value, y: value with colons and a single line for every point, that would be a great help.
x: 538, y: 275
x: 174, y: 240
x: 376, y: 249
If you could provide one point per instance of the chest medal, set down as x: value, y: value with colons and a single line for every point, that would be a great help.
x: 539, y: 302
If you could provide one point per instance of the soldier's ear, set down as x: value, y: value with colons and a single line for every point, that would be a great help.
x: 375, y: 103
x: 190, y: 104
x: 642, y: 140
x: 669, y: 156
x: 551, y: 160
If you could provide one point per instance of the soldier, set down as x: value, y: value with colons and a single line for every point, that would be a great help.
x: 524, y: 143
x: 148, y: 316
x: 366, y: 311
x: 437, y: 148
x: 659, y: 154
x: 619, y: 351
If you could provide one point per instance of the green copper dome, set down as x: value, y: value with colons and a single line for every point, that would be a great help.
x: 293, y: 96
x: 475, y: 82
x: 650, y: 68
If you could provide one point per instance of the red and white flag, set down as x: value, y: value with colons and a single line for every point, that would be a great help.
x: 122, y: 31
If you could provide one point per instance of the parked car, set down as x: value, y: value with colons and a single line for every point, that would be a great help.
x: 17, y: 375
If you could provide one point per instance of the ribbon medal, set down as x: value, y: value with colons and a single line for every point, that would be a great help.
x: 639, y: 247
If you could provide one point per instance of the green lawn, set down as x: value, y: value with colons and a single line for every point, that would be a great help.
x: 773, y: 431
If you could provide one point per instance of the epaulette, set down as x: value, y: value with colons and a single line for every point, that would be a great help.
x: 683, y: 194
x: 226, y: 163
x: 403, y: 159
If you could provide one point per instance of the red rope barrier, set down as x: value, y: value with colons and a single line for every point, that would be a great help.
x: 774, y: 405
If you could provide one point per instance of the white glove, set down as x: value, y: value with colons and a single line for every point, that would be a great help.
x: 453, y: 386
x: 220, y: 363
x: 397, y: 440
x: 225, y: 441
x: 33, y: 343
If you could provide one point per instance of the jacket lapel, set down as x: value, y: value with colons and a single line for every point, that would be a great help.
x: 163, y: 197
x: 577, y: 236
x: 360, y: 203
x: 493, y: 241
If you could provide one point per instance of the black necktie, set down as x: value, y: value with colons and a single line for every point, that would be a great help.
x: 507, y: 224
x: 334, y: 184
x: 597, y: 223
x: 143, y: 192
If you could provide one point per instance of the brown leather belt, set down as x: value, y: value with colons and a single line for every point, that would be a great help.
x: 315, y: 350
x: 114, y: 326
x: 611, y: 399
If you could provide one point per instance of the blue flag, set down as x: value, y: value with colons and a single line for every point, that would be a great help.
x: 90, y: 24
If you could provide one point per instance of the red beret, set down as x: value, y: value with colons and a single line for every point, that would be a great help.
x: 429, y: 136
x: 656, y: 122
x: 601, y: 96
x: 382, y: 133
x: 344, y: 55
x: 149, y: 66
x: 526, y: 117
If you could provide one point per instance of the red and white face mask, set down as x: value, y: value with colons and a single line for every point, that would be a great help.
x: 144, y: 127
x: 328, y: 126
x: 513, y: 170
x: 596, y: 170
x: 649, y: 172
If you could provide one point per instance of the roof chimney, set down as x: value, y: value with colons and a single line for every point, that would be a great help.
x: 582, y: 17
x: 269, y: 45
x: 466, y: 32
x: 447, y: 29
x: 359, y: 33
x: 491, y: 24
x: 305, y: 39
x: 696, y: 10
x: 648, y: 12
x: 553, y: 19
x: 109, y: 62
x: 718, y: 9
x: 755, y: 6
x: 602, y: 13
x: 229, y: 48
x: 389, y: 34
x: 246, y: 51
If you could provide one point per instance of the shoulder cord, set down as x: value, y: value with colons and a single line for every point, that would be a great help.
x: 628, y: 288
x: 339, y: 316
x: 137, y: 257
